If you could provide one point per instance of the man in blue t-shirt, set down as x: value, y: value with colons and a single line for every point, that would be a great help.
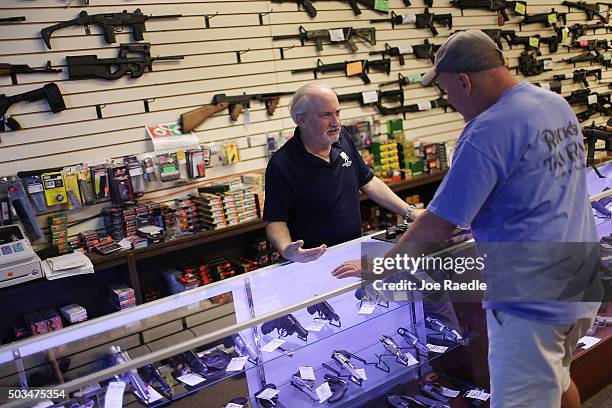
x: 313, y: 182
x: 517, y: 179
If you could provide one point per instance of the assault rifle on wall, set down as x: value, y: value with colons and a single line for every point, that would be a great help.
x: 578, y: 30
x: 420, y: 51
x: 424, y: 20
x: 344, y: 35
x: 368, y: 98
x: 499, y: 6
x: 310, y: 9
x: 416, y: 107
x: 12, y: 70
x: 591, y: 10
x: 235, y: 104
x: 496, y: 34
x: 359, y: 68
x: 596, y: 103
x: 529, y: 65
x: 580, y: 75
x: 592, y: 134
x: 110, y: 23
x: 549, y: 19
x: 49, y: 92
x: 89, y: 66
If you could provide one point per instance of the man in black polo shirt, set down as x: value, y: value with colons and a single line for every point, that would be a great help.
x: 313, y: 181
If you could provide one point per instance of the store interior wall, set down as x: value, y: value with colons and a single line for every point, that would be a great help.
x: 210, y: 67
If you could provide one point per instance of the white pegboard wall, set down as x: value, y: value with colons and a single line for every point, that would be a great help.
x: 210, y: 66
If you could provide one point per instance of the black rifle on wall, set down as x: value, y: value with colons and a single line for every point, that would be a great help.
x: 89, y: 66
x: 549, y: 19
x: 12, y: 19
x: 416, y: 107
x: 374, y: 97
x: 424, y: 20
x: 420, y: 51
x: 499, y: 6
x: 359, y: 68
x: 580, y: 75
x: 110, y: 23
x: 310, y: 9
x: 345, y: 35
x: 592, y: 134
x: 578, y: 30
x: 591, y: 10
x: 49, y: 92
x: 12, y: 70
x: 529, y: 65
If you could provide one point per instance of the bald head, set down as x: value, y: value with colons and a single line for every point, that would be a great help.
x: 304, y: 99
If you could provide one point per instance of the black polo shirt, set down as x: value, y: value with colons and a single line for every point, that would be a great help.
x: 319, y: 201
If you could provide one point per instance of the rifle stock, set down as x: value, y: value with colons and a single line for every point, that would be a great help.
x: 194, y: 118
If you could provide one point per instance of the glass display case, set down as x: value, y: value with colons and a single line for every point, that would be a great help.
x: 292, y: 334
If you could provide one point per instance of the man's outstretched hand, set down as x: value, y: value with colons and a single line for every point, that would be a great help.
x: 348, y: 269
x: 294, y: 252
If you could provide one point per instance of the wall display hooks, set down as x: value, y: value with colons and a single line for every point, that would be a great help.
x: 262, y: 15
x: 239, y: 53
x: 99, y: 110
x: 283, y: 49
x: 146, y: 103
x: 207, y: 18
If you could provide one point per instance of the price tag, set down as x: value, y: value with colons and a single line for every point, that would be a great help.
x: 408, y: 18
x: 114, y: 395
x: 367, y: 308
x: 153, y: 394
x: 583, y: 43
x: 381, y: 5
x: 273, y: 345
x: 607, y: 56
x: 447, y: 392
x: 362, y: 373
x: 569, y: 76
x: 35, y: 188
x: 534, y: 42
x: 548, y: 64
x: 519, y: 8
x: 414, y: 78
x: 354, y: 68
x: 336, y: 34
x: 411, y: 360
x: 477, y: 394
x: 369, y: 96
x: 315, y: 326
x: 307, y: 373
x: 323, y: 392
x: 552, y: 18
x: 180, y: 156
x: 405, y: 49
x: 545, y: 85
x: 436, y: 348
x: 236, y: 364
x: 232, y: 405
x: 135, y: 171
x: 588, y: 341
x: 268, y: 394
x: 564, y: 33
x: 246, y: 118
x: 191, y: 379
x: 592, y: 99
x: 423, y: 106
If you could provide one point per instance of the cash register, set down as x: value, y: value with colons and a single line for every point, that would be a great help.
x: 18, y: 261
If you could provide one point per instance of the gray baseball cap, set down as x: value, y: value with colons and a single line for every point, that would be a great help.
x: 464, y: 51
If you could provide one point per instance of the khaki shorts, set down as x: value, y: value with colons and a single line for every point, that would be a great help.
x: 529, y: 361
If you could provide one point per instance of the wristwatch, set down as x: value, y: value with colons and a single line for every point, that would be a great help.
x: 407, y: 214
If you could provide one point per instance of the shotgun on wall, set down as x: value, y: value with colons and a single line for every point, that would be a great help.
x: 235, y: 104
x: 50, y: 92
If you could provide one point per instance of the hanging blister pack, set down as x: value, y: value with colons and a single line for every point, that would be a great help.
x: 54, y: 188
x: 25, y: 211
x: 100, y: 182
x: 168, y: 167
x: 196, y: 163
x: 73, y: 192
x: 36, y: 192
x: 136, y: 175
x: 85, y: 185
x: 120, y: 185
x: 149, y: 169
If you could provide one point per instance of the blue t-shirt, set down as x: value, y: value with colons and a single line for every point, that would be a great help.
x: 518, y: 177
x: 319, y: 201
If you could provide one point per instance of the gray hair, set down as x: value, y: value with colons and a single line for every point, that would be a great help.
x: 300, y: 103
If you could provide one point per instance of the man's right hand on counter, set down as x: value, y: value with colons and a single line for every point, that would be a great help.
x: 294, y: 252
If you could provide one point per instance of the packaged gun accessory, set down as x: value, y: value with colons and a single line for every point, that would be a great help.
x: 149, y: 169
x: 85, y: 185
x: 120, y: 185
x: 196, y: 164
x: 36, y: 192
x: 5, y: 208
x: 25, y: 211
x: 73, y: 192
x: 231, y: 153
x: 55, y: 191
x: 100, y: 182
x: 168, y: 167
x: 136, y: 175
